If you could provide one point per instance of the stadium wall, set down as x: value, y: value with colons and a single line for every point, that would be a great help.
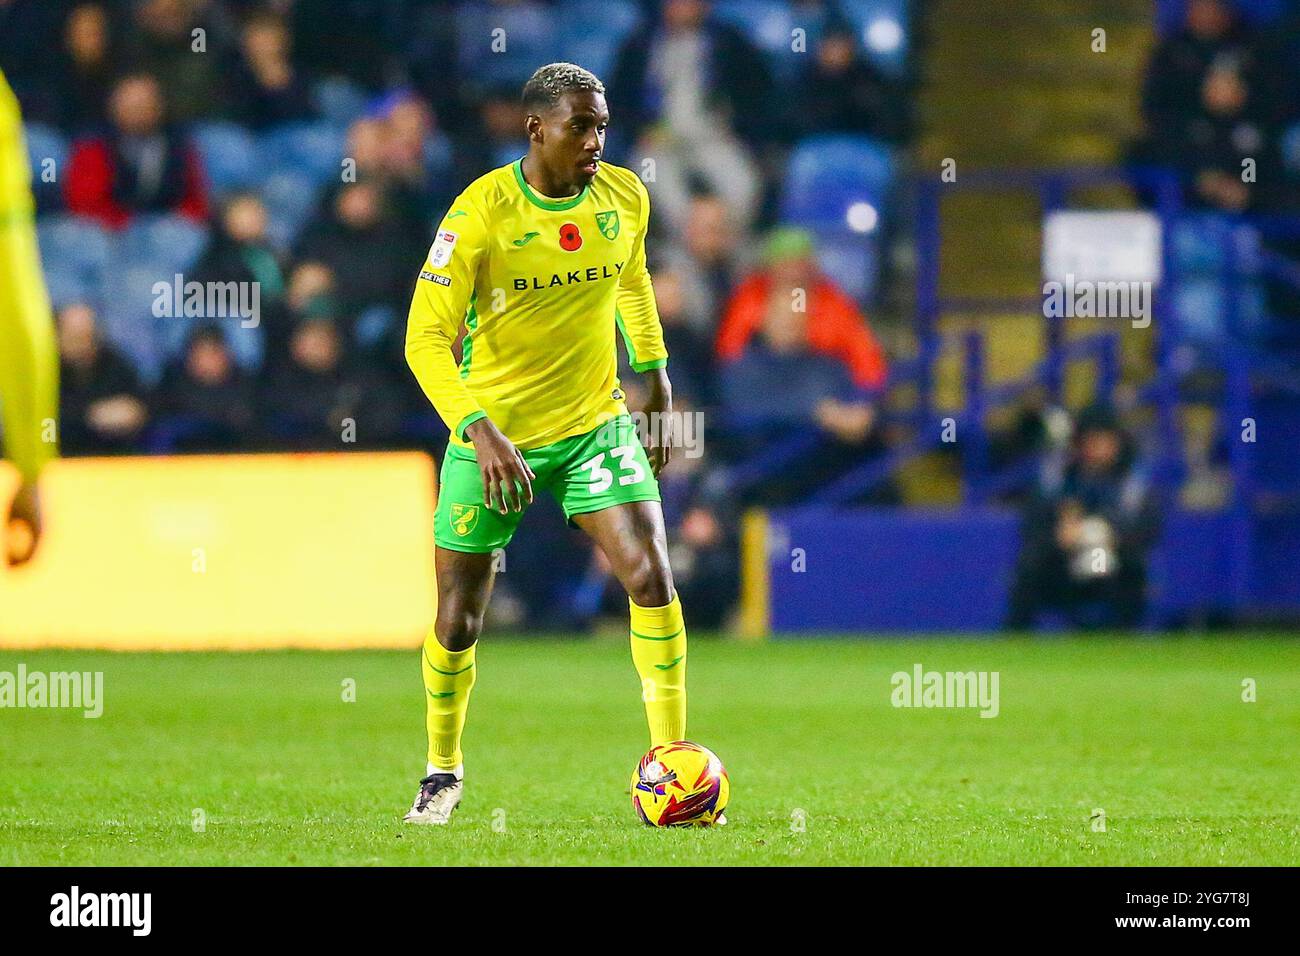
x: 813, y: 570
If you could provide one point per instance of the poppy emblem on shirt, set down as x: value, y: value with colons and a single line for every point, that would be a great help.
x: 570, y: 237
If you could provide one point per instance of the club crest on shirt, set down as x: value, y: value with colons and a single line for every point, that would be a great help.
x: 463, y: 518
x: 607, y: 223
x: 440, y: 251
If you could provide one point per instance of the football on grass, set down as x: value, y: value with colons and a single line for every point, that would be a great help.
x: 680, y: 784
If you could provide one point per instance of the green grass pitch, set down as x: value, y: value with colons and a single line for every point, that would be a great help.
x: 824, y: 769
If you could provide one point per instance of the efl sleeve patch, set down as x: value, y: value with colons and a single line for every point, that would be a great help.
x: 434, y: 277
x: 440, y: 251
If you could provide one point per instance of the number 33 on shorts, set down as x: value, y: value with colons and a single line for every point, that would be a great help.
x: 630, y: 470
x: 605, y: 467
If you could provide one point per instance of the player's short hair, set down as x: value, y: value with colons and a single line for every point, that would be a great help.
x: 545, y: 87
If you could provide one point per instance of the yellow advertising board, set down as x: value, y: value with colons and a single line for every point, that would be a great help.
x: 227, y: 552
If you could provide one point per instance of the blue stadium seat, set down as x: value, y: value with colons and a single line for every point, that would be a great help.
x: 127, y: 318
x: 592, y: 31
x: 1291, y: 149
x: 373, y: 324
x: 246, y: 343
x: 1170, y: 14
x: 76, y: 252
x: 67, y: 286
x: 45, y: 142
x: 315, y: 149
x: 339, y: 100
x: 172, y: 242
x: 1201, y: 314
x: 769, y: 25
x: 290, y: 197
x: 230, y: 155
x: 143, y: 287
x: 526, y: 30
x: 838, y: 182
x: 1205, y: 243
x: 883, y: 30
x: 852, y: 261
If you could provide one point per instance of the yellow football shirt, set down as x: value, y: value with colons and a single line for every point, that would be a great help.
x: 541, y: 284
x: 29, y: 365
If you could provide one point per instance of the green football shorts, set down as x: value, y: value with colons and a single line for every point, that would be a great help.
x: 606, y: 466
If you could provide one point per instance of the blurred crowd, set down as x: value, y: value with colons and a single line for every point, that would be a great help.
x: 310, y: 147
x: 1220, y: 93
x: 1221, y: 110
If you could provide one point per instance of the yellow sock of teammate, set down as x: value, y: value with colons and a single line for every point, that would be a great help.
x: 659, y: 652
x: 448, y: 679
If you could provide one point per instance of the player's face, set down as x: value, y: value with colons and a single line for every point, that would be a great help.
x: 573, y: 137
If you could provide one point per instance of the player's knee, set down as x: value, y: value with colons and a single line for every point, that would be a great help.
x: 651, y: 583
x: 458, y: 628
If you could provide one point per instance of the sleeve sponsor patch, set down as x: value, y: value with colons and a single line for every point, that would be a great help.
x: 440, y: 251
x: 434, y: 277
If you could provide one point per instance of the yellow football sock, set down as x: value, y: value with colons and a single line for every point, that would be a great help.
x: 659, y: 652
x: 448, y: 679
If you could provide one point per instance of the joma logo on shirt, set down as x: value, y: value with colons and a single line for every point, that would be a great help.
x: 590, y: 274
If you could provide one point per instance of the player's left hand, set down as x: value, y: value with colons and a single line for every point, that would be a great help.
x: 658, y: 410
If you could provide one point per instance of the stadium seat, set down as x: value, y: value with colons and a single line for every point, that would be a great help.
x: 838, y: 182
x: 526, y: 29
x: 1201, y: 243
x: 131, y: 298
x: 593, y: 30
x: 1201, y: 312
x: 1170, y: 14
x: 852, y: 260
x: 151, y: 341
x: 75, y: 241
x: 246, y: 343
x: 339, y: 100
x: 230, y: 155
x: 290, y: 197
x: 66, y: 286
x: 1291, y: 149
x: 883, y: 30
x: 45, y: 142
x: 174, y: 243
x: 75, y: 254
x: 373, y: 324
x: 315, y: 149
x: 127, y: 319
x: 769, y: 25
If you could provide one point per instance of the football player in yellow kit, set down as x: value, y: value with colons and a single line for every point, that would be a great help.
x: 544, y: 262
x: 29, y: 365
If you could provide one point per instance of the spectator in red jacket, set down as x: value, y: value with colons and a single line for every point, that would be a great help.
x: 798, y: 359
x: 835, y: 326
x: 141, y: 165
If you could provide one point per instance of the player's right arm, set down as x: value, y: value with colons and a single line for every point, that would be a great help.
x: 443, y: 294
